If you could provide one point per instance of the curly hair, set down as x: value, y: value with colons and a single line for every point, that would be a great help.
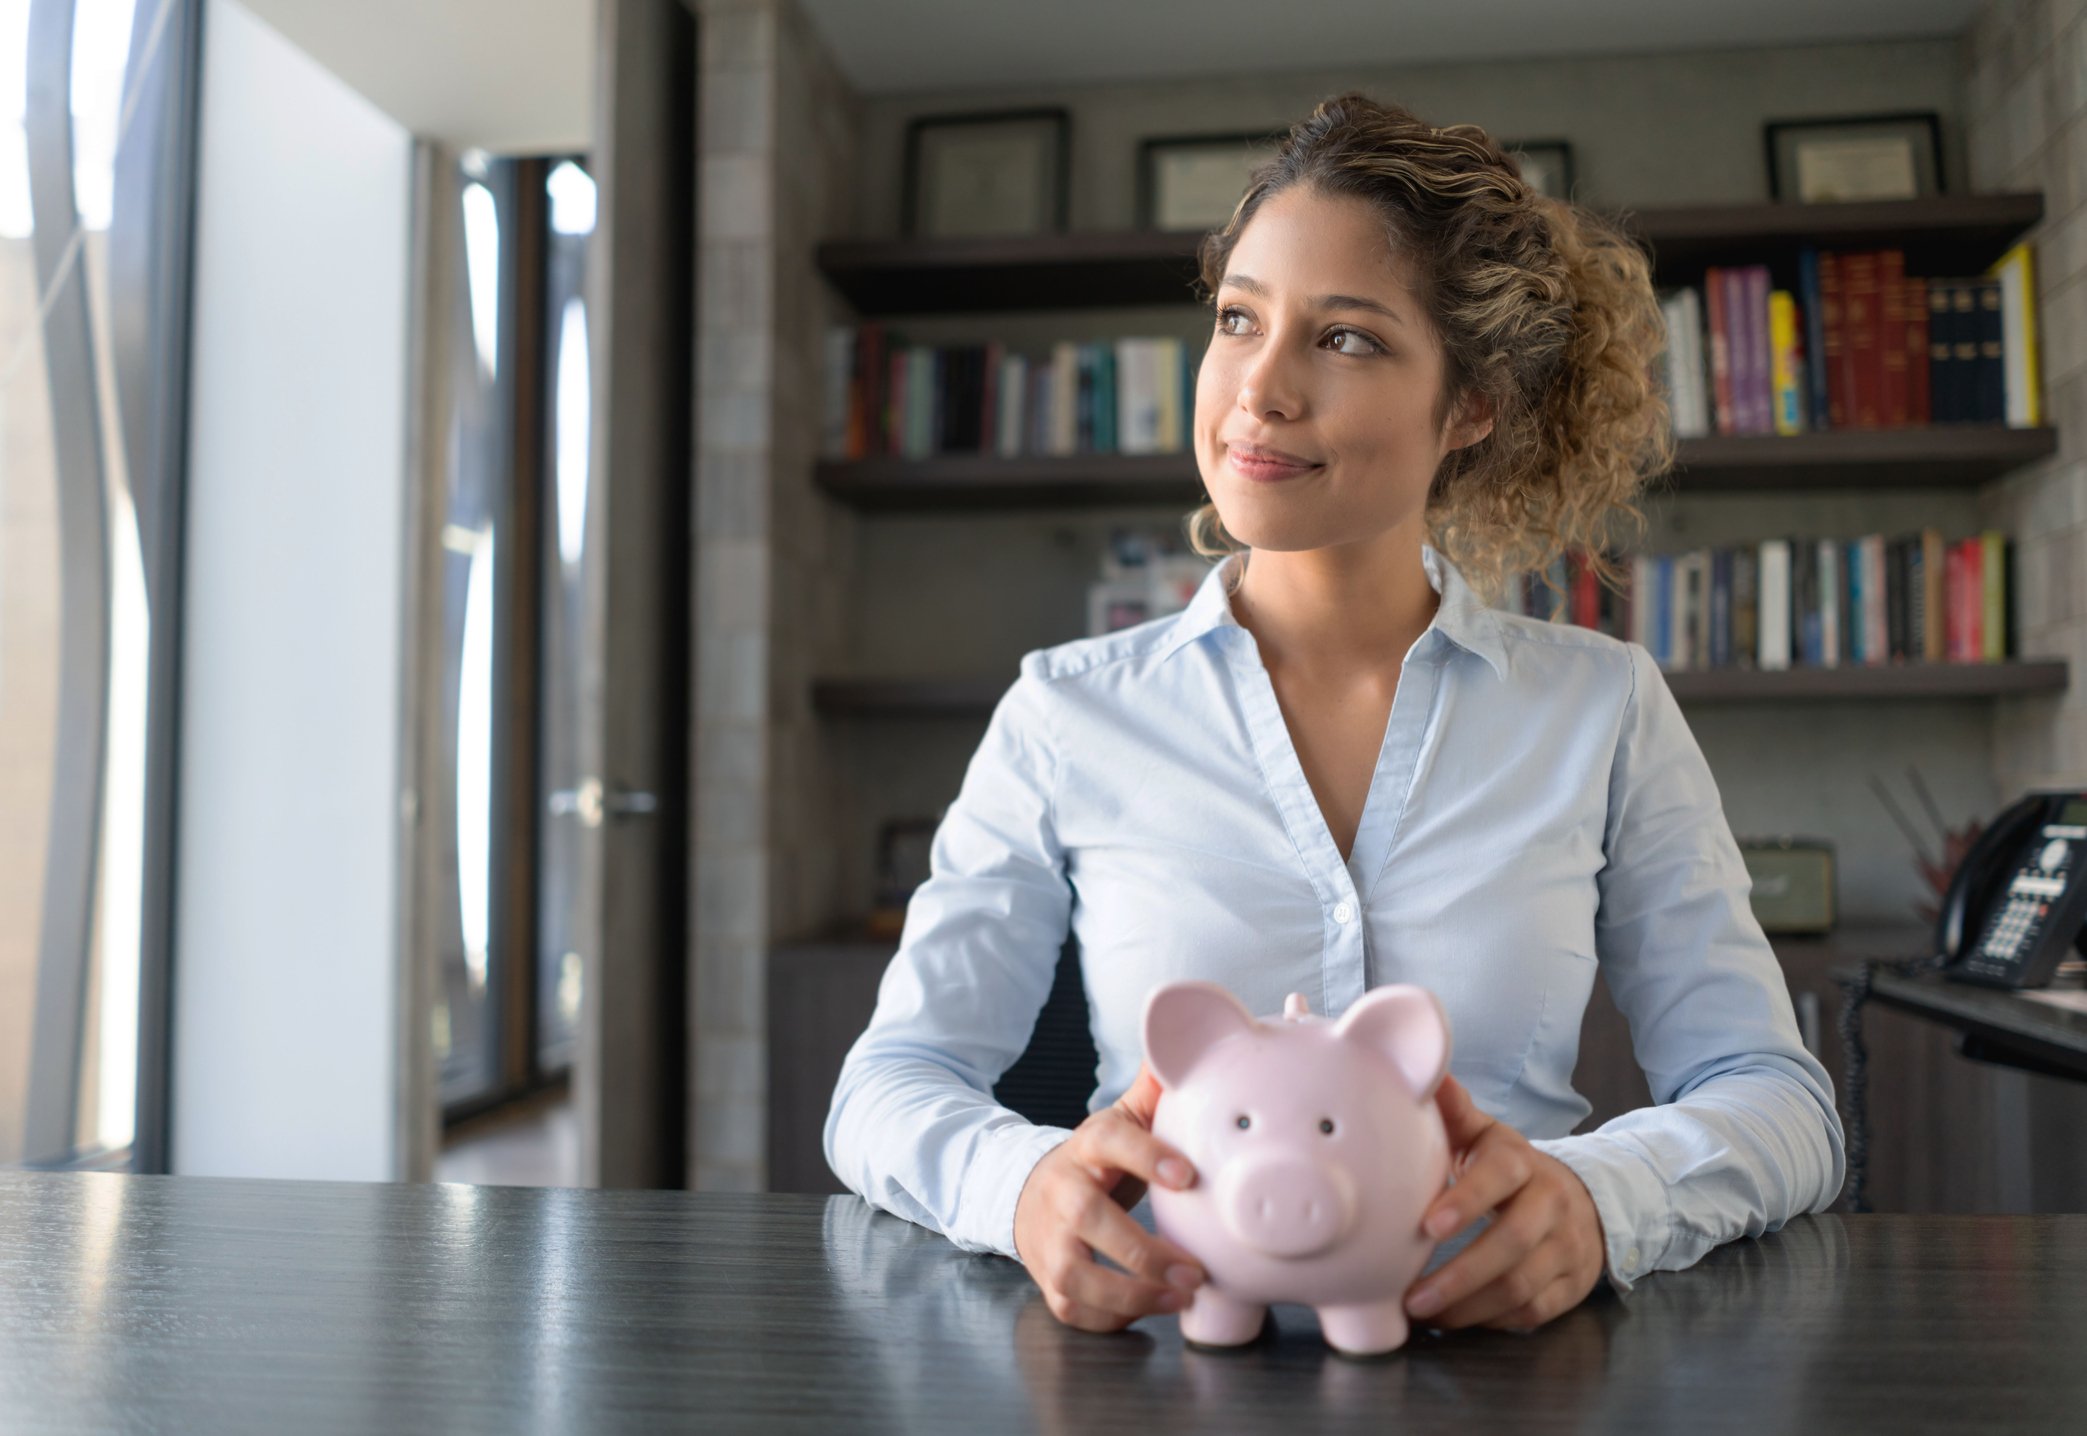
x: 1544, y: 308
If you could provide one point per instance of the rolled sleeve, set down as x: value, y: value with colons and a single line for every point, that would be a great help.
x: 1744, y: 1134
x: 914, y: 1128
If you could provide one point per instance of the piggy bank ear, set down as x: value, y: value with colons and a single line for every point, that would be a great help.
x: 1407, y: 1026
x: 1183, y: 1020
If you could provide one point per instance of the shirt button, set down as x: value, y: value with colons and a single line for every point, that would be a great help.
x: 1630, y: 1258
x: 1345, y: 913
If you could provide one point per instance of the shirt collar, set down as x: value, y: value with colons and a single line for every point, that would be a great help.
x: 1460, y: 619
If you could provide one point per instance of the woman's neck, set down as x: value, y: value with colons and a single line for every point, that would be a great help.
x: 1339, y: 611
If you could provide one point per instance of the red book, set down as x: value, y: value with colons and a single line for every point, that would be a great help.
x: 895, y: 403
x: 1863, y: 329
x: 1586, y: 592
x: 1966, y: 637
x: 1919, y: 404
x: 1833, y: 328
x: 1892, y: 402
x: 1720, y: 348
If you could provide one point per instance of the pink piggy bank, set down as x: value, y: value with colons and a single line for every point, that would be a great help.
x: 1318, y: 1148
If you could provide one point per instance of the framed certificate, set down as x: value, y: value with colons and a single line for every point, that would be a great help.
x: 1196, y: 181
x: 1546, y: 165
x: 1856, y: 157
x: 993, y: 172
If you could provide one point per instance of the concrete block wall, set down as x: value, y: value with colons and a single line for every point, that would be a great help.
x: 775, y: 139
x: 2024, y: 64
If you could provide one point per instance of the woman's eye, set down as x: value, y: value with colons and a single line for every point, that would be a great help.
x: 1225, y: 317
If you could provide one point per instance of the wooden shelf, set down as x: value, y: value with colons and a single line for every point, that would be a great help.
x: 1942, y: 456
x: 1895, y: 680
x: 975, y: 697
x: 1940, y: 234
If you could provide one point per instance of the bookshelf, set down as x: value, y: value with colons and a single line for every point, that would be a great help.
x: 1941, y: 456
x: 1945, y: 233
x: 1938, y: 234
x: 974, y: 698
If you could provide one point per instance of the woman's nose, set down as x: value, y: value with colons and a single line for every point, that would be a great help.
x: 1269, y: 383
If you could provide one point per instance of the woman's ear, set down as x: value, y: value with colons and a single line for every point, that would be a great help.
x: 1183, y: 1020
x: 1405, y: 1024
x: 1475, y: 421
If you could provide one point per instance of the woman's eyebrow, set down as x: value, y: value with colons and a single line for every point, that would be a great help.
x: 1324, y: 301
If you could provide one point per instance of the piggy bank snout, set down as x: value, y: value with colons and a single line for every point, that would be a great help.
x: 1287, y: 1206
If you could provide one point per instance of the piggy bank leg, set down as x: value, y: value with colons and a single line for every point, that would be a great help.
x: 1214, y: 1319
x: 1366, y: 1329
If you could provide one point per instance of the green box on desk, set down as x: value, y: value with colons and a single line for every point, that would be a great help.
x: 1793, y: 883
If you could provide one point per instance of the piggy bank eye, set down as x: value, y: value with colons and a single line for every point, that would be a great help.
x: 1326, y: 1125
x: 1244, y: 1122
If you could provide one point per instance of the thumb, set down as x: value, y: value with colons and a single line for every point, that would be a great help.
x: 1461, y: 1117
x: 1142, y: 1100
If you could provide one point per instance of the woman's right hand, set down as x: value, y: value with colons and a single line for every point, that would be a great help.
x: 1077, y: 1202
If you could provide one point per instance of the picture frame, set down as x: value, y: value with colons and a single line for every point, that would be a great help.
x: 1546, y: 165
x: 905, y: 848
x: 1194, y: 182
x: 1839, y: 159
x: 987, y: 172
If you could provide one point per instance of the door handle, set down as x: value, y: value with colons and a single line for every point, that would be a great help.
x: 592, y: 803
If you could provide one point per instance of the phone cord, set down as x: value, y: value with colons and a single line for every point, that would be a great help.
x: 1855, y: 990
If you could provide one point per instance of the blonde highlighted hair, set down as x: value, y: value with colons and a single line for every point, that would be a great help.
x: 1543, y: 308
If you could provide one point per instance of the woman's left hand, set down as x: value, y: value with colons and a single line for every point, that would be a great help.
x: 1543, y: 1252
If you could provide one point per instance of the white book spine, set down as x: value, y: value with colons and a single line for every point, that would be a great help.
x: 1013, y: 392
x: 1137, y: 419
x: 1166, y: 376
x: 1772, y: 625
x: 1065, y: 396
x: 2014, y: 347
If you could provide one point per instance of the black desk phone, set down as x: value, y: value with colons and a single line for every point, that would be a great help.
x: 2018, y: 902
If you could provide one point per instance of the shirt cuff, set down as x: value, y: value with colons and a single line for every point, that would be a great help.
x: 1006, y: 1171
x: 1628, y: 1197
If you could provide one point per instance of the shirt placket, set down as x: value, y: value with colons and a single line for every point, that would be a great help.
x: 1344, y: 970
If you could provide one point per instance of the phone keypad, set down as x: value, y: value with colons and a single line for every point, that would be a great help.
x: 2013, y: 928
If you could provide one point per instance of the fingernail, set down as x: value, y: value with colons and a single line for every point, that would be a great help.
x: 1174, y: 1172
x: 1424, y: 1302
x: 1442, y: 1223
x: 1185, y: 1277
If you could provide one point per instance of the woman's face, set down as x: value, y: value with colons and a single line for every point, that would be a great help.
x: 1321, y: 351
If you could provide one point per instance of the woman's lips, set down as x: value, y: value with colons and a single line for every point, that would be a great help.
x: 1265, y: 470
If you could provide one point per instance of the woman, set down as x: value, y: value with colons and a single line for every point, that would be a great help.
x: 1338, y: 768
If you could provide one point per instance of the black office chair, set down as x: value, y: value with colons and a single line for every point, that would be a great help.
x: 1050, y: 1082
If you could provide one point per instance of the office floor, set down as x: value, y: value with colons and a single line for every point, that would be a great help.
x: 533, y: 1143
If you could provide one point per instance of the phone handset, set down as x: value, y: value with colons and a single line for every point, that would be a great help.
x: 2018, y: 902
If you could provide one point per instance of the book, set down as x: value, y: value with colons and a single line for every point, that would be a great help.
x: 1786, y: 362
x: 2021, y: 373
x: 1773, y: 625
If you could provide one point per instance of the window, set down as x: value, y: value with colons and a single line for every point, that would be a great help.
x: 93, y: 318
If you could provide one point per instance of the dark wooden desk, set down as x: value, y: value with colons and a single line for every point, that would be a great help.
x: 2017, y: 1029
x: 198, y: 1304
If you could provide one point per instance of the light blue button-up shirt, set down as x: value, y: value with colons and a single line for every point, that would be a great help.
x: 1538, y: 806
